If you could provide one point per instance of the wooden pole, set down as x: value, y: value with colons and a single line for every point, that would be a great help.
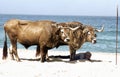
x: 116, y: 34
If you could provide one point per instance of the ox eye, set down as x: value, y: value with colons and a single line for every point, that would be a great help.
x: 95, y: 35
x: 89, y: 33
x: 62, y: 31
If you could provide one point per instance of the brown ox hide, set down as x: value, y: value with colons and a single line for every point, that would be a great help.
x: 28, y: 33
x: 71, y: 24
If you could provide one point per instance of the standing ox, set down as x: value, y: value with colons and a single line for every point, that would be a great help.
x: 79, y: 35
x: 41, y: 33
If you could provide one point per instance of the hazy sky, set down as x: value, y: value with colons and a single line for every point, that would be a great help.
x: 59, y: 7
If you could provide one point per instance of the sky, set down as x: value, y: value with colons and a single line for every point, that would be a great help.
x: 60, y: 7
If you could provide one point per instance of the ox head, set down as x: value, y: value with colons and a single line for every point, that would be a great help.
x: 67, y: 33
x: 67, y: 30
x: 63, y: 32
x: 90, y: 35
x: 77, y: 36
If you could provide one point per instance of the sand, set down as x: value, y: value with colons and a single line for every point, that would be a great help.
x: 102, y: 65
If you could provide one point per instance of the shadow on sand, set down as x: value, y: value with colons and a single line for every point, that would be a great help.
x: 30, y: 59
x: 61, y: 59
x: 65, y: 59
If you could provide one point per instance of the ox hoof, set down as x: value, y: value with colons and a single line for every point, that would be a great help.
x: 3, y: 58
x: 43, y: 60
x: 47, y: 59
x: 71, y: 59
x: 18, y: 60
x: 12, y: 58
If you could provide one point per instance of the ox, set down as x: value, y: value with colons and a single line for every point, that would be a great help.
x: 41, y: 33
x: 79, y: 35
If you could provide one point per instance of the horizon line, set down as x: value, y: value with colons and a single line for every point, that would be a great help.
x: 59, y: 15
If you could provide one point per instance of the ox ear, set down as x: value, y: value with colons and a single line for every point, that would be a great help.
x: 56, y: 28
x: 100, y: 30
x: 58, y: 25
x: 55, y: 24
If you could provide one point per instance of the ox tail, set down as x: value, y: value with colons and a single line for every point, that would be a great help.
x: 5, y: 53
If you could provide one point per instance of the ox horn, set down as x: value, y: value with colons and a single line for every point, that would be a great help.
x: 100, y: 30
x: 73, y: 29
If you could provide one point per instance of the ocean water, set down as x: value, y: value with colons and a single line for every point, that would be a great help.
x: 106, y: 41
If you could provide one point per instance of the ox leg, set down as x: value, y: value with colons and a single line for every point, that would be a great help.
x: 43, y: 54
x: 14, y: 50
x: 47, y: 57
x: 16, y: 54
x: 38, y: 51
x: 72, y: 53
x: 11, y: 53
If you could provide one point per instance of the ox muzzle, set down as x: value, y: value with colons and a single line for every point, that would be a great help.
x: 64, y: 35
x: 94, y: 41
x: 97, y: 30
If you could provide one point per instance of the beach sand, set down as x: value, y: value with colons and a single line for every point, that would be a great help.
x: 102, y: 65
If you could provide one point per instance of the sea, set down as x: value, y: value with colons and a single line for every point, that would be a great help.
x: 106, y: 40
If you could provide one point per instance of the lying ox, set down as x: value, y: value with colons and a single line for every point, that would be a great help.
x: 41, y: 33
x: 79, y: 35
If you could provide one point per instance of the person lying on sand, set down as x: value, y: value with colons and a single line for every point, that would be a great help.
x: 86, y: 56
x: 80, y: 56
